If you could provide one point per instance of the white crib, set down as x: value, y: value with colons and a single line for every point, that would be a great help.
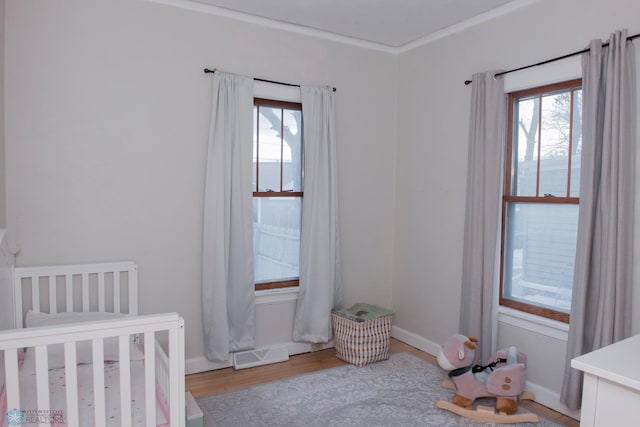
x: 85, y: 289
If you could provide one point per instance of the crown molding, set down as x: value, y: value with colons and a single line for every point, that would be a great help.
x: 272, y: 23
x: 469, y: 23
x: 196, y: 6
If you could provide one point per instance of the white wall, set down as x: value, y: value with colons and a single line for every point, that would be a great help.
x: 106, y: 130
x: 3, y: 210
x: 433, y: 116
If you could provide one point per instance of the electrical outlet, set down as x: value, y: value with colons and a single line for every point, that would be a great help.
x: 316, y: 346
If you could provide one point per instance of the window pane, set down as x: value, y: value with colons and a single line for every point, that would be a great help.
x: 276, y: 238
x: 525, y: 152
x: 540, y: 254
x: 554, y: 149
x: 269, y: 149
x: 576, y: 144
x: 292, y: 160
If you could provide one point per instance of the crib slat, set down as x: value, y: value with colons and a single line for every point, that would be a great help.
x: 17, y: 308
x: 68, y: 284
x: 176, y: 412
x: 53, y: 298
x: 35, y: 293
x: 42, y: 377
x: 101, y: 304
x: 149, y: 378
x: 11, y: 376
x: 85, y: 292
x: 71, y: 380
x: 99, y: 400
x: 125, y: 381
x: 132, y: 279
x: 116, y: 292
x: 173, y: 372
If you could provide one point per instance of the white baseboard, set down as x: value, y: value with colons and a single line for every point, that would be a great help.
x: 195, y: 365
x: 544, y: 396
x: 415, y: 341
x: 551, y: 399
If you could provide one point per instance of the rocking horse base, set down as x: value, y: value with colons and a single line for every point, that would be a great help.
x: 487, y: 414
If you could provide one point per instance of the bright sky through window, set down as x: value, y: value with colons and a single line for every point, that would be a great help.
x: 270, y: 143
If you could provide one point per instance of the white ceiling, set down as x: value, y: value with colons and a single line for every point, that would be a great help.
x: 388, y: 23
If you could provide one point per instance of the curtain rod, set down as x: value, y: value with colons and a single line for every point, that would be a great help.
x: 569, y: 55
x: 206, y: 70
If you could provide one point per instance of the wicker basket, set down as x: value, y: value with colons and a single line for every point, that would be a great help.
x: 359, y: 341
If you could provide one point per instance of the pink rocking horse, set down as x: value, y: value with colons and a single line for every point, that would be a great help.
x: 503, y: 377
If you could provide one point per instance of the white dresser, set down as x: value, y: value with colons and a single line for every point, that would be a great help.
x: 611, y: 391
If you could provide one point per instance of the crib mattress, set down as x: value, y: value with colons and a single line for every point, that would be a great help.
x: 57, y: 391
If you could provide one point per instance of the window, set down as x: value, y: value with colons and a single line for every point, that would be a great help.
x: 277, y: 192
x: 540, y: 200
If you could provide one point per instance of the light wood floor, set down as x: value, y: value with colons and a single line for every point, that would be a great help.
x: 229, y: 379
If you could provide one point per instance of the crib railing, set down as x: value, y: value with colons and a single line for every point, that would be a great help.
x: 110, y: 284
x: 162, y: 374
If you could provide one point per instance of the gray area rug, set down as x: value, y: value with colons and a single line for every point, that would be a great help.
x: 401, y: 391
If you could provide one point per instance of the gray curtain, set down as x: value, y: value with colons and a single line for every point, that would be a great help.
x: 228, y: 289
x: 484, y: 169
x: 601, y: 301
x: 320, y: 264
